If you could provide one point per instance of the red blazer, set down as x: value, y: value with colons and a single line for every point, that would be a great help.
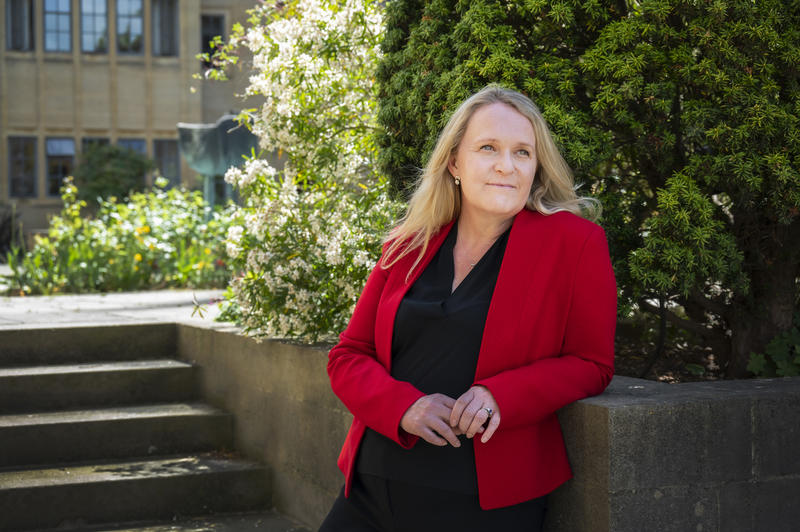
x: 548, y: 341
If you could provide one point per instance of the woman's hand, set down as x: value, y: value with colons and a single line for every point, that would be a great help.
x: 429, y: 419
x: 470, y: 413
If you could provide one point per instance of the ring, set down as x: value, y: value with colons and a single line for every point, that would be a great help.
x: 489, y: 411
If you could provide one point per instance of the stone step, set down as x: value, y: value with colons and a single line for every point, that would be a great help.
x: 51, y: 437
x: 57, y: 387
x: 64, y: 344
x: 248, y: 522
x: 132, y: 490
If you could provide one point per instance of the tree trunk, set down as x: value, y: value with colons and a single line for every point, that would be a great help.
x: 762, y: 315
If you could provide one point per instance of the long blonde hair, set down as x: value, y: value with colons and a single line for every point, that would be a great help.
x: 436, y: 200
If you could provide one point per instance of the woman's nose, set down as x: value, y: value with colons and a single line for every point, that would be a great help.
x: 504, y: 164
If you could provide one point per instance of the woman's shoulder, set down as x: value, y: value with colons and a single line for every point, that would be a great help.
x: 565, y: 224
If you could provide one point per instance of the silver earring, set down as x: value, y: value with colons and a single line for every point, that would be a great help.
x: 458, y: 180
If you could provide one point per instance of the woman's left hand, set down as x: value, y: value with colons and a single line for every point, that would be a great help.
x: 471, y: 412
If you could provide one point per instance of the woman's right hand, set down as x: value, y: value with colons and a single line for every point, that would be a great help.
x: 429, y: 418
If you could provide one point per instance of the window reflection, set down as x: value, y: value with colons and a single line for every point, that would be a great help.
x: 129, y: 26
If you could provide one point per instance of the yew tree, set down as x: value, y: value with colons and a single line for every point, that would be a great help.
x: 681, y: 116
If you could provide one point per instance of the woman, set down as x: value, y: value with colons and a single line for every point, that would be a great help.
x: 493, y: 305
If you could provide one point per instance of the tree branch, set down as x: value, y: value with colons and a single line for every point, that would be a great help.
x: 707, y: 334
x: 715, y: 307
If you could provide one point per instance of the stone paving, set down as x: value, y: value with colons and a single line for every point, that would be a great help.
x: 112, y: 308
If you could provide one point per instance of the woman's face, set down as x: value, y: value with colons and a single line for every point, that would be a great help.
x: 496, y: 162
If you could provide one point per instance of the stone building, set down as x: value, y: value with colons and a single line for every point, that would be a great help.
x: 77, y: 72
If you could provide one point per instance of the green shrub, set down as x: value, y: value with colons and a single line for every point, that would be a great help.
x: 156, y: 239
x: 9, y: 229
x: 106, y: 171
x: 781, y: 358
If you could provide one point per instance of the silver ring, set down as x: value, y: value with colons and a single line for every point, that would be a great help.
x: 489, y: 411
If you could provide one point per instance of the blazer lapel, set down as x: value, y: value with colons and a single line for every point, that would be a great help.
x: 500, y: 334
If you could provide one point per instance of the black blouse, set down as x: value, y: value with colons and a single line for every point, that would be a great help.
x: 435, y: 345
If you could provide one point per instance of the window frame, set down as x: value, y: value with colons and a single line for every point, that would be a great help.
x: 157, y: 158
x: 94, y: 15
x: 86, y: 143
x: 122, y: 143
x: 30, y: 23
x: 120, y: 16
x: 59, y: 16
x: 35, y: 170
x: 203, y: 41
x: 156, y: 10
x: 47, y: 160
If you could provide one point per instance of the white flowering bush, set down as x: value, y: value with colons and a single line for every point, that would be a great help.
x: 313, y: 228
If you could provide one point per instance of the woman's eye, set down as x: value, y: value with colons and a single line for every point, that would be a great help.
x: 487, y: 147
x: 524, y: 153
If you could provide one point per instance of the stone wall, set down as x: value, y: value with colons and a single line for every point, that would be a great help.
x: 647, y: 456
x: 716, y: 456
x: 286, y: 415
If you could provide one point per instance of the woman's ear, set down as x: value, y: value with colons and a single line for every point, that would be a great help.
x: 451, y: 165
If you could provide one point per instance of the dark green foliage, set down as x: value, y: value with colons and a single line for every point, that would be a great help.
x: 782, y: 357
x: 9, y: 229
x: 439, y: 53
x: 108, y: 170
x: 681, y: 116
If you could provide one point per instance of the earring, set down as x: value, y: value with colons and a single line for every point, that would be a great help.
x: 458, y: 181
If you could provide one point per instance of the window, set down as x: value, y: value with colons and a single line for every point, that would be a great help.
x: 88, y: 142
x: 94, y: 26
x: 60, y: 160
x: 165, y: 27
x: 210, y: 27
x: 22, y: 167
x: 129, y: 26
x: 137, y: 145
x: 19, y: 24
x: 165, y: 154
x: 57, y: 26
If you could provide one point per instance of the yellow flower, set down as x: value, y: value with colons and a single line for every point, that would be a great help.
x: 137, y: 257
x: 111, y: 261
x: 207, y: 251
x: 200, y: 265
x: 143, y: 229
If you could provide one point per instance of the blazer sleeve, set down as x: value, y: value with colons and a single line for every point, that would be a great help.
x: 530, y: 393
x: 358, y: 378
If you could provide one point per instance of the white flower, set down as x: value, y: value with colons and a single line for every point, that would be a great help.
x: 313, y: 241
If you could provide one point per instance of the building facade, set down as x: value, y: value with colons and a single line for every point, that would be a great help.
x: 78, y: 72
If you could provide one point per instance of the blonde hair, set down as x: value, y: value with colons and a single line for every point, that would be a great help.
x: 436, y: 200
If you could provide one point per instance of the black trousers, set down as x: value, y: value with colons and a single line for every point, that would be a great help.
x: 382, y: 505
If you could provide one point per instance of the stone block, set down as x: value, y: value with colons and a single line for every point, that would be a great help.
x: 679, y: 443
x: 762, y: 505
x: 776, y: 434
x: 585, y: 428
x: 686, y: 508
x: 578, y: 505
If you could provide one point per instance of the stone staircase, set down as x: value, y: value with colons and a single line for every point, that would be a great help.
x: 88, y: 440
